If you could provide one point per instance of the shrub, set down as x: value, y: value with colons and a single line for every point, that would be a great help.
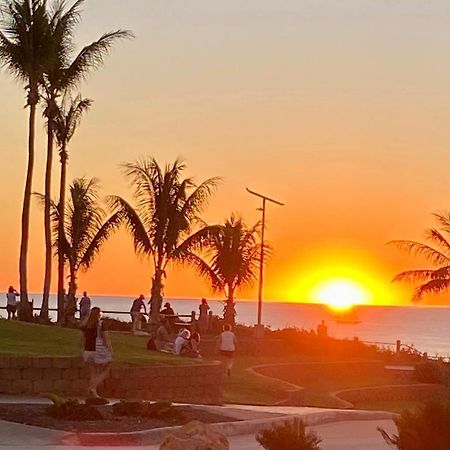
x: 71, y: 409
x: 435, y: 372
x: 144, y: 409
x: 425, y: 428
x: 290, y: 435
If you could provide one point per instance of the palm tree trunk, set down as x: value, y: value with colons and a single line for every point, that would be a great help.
x: 47, y: 222
x: 23, y: 267
x: 62, y: 207
x: 229, y: 313
x: 156, y: 293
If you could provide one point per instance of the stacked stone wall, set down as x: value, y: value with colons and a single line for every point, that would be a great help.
x: 195, y: 383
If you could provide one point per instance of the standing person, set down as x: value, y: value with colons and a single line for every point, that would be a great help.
x: 136, y: 314
x: 97, y: 351
x: 203, y: 316
x: 11, y: 302
x: 85, y: 306
x: 226, y: 343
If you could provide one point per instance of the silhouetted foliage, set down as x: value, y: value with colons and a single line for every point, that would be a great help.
x: 436, y: 372
x: 425, y: 428
x: 232, y: 260
x: 290, y: 435
x: 437, y: 279
x: 164, y: 222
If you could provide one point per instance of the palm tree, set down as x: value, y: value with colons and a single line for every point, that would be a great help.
x: 86, y: 228
x: 66, y: 122
x: 233, y: 257
x: 63, y: 73
x: 24, y: 51
x: 436, y: 279
x: 165, y: 222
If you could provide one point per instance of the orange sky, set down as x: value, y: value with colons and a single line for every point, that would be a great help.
x: 340, y: 109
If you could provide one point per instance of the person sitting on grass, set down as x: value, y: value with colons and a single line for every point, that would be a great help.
x: 164, y: 341
x: 97, y: 352
x: 181, y: 341
x: 191, y: 349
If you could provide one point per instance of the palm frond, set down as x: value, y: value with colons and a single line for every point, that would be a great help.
x: 414, y: 275
x: 130, y: 218
x: 204, y: 270
x: 431, y: 287
x: 91, y: 57
x: 433, y: 255
x: 99, y: 240
x: 196, y: 242
x: 436, y: 236
x: 443, y: 219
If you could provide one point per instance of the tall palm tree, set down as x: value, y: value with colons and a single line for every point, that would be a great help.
x: 436, y: 279
x: 24, y: 51
x: 233, y: 257
x: 86, y: 228
x: 66, y: 122
x: 63, y: 72
x: 165, y: 222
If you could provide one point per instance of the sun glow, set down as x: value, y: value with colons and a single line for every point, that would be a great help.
x: 341, y: 294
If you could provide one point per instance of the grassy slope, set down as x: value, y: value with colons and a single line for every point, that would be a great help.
x: 23, y: 339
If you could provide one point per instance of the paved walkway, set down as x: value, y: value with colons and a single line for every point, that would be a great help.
x: 339, y: 429
x: 352, y: 435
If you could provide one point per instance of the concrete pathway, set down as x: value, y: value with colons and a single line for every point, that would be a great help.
x: 353, y: 435
x: 339, y: 429
x: 335, y: 436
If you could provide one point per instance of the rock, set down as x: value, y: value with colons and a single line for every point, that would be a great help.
x: 195, y: 436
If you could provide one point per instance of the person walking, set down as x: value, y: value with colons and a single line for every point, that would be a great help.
x: 136, y: 314
x: 85, y: 306
x: 97, y: 351
x: 11, y: 302
x: 226, y: 343
x: 203, y: 316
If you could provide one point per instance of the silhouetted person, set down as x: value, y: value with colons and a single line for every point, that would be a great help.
x: 322, y: 330
x: 136, y: 314
x: 11, y: 302
x: 203, y: 316
x: 85, y: 306
x: 164, y: 340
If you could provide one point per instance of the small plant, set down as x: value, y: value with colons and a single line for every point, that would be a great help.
x: 291, y: 435
x: 425, y: 428
x: 71, y: 409
x: 144, y: 409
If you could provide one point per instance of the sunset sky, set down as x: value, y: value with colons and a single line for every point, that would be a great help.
x: 338, y: 108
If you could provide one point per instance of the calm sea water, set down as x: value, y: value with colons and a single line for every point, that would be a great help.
x: 426, y: 328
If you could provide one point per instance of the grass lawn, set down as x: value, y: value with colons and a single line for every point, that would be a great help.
x: 244, y: 387
x: 25, y: 339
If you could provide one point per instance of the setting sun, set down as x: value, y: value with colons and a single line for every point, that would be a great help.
x: 341, y: 293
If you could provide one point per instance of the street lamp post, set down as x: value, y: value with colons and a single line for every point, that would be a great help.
x: 261, y: 258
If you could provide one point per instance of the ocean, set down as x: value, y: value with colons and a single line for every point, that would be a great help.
x: 425, y: 328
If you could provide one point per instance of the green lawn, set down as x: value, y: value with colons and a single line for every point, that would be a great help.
x: 25, y: 339
x: 244, y: 387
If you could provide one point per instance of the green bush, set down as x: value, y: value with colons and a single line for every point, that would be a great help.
x: 426, y: 428
x: 71, y: 409
x: 291, y: 435
x: 144, y: 409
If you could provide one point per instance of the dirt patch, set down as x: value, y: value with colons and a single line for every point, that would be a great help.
x: 37, y: 415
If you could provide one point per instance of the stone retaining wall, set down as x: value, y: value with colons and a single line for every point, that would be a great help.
x: 196, y: 383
